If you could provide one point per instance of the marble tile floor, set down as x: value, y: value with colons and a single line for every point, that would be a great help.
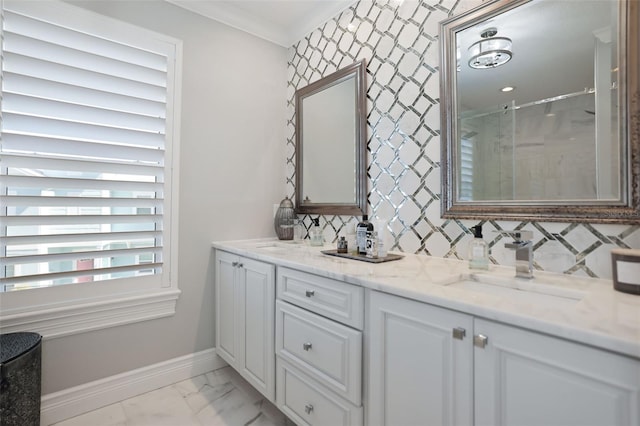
x: 218, y: 398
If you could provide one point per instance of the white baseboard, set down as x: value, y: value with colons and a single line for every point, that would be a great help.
x: 74, y: 401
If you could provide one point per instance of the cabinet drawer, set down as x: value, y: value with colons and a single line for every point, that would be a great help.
x: 330, y: 298
x: 308, y: 403
x: 329, y: 352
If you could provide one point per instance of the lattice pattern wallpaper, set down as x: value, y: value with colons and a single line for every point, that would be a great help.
x: 399, y: 41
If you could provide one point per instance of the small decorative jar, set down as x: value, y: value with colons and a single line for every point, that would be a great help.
x: 284, y: 220
x: 343, y: 246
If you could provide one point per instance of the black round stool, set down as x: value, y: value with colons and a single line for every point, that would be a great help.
x: 20, y: 369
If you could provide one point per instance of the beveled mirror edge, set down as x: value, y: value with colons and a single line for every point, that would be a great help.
x: 630, y: 64
x: 358, y: 69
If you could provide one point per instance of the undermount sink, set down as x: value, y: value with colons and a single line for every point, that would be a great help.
x: 533, y: 290
x: 277, y: 245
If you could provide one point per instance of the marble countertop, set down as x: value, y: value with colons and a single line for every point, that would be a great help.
x: 586, y: 310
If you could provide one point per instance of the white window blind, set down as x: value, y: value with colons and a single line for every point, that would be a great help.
x: 466, y: 169
x: 85, y: 165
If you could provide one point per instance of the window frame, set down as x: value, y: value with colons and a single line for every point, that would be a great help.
x: 76, y: 308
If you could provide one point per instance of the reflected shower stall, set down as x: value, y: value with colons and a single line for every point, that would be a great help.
x: 550, y: 149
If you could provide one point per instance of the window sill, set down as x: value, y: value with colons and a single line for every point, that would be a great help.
x: 83, y: 316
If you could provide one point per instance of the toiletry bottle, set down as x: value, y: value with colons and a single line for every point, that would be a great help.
x: 351, y: 239
x: 380, y: 226
x: 382, y: 249
x: 478, y: 250
x: 372, y: 244
x: 361, y: 234
x: 315, y: 234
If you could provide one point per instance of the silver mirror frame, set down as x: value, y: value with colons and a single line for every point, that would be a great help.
x: 358, y: 70
x: 628, y: 62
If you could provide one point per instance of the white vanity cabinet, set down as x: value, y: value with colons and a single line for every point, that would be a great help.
x: 245, y: 299
x: 528, y: 378
x: 424, y: 369
x: 319, y: 349
x: 418, y: 372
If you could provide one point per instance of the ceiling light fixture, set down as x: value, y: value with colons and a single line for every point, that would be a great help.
x: 508, y: 89
x: 491, y: 51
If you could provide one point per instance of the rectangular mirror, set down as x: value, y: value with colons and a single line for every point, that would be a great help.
x: 539, y: 104
x: 331, y: 144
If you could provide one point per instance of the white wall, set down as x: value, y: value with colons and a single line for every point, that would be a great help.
x: 231, y: 174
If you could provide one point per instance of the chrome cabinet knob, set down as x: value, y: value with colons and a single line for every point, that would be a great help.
x: 480, y: 340
x: 234, y: 264
x: 459, y: 333
x: 310, y: 293
x: 307, y: 346
x: 308, y: 408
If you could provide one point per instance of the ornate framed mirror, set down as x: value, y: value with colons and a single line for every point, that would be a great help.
x: 540, y: 111
x: 331, y: 167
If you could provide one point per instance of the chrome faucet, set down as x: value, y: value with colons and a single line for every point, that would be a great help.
x: 524, y: 252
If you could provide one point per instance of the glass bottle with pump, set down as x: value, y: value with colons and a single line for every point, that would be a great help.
x: 315, y: 234
x: 478, y: 250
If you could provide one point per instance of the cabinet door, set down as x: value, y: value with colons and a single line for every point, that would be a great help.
x: 526, y: 378
x: 227, y: 305
x: 418, y: 373
x: 258, y: 323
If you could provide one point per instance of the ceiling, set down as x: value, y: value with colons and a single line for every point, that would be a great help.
x: 283, y: 22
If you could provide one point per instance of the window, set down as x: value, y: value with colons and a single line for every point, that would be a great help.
x: 88, y: 127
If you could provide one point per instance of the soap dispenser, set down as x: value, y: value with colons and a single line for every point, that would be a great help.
x: 315, y: 234
x: 478, y: 250
x: 361, y: 234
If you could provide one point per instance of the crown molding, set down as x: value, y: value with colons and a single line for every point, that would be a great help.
x: 262, y: 26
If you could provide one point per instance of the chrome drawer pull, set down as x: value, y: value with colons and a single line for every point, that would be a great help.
x: 310, y: 293
x: 306, y: 346
x: 308, y: 408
